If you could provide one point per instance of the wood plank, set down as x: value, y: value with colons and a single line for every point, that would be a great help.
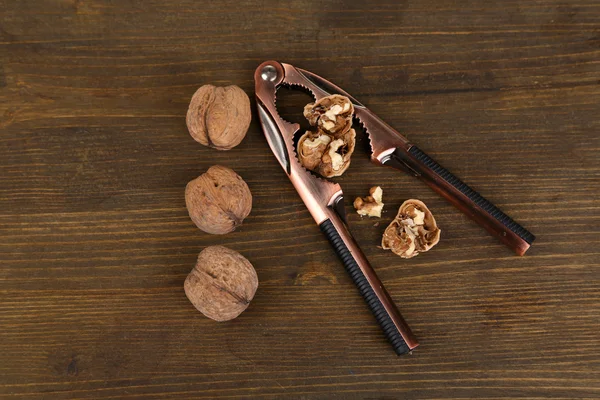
x: 95, y: 241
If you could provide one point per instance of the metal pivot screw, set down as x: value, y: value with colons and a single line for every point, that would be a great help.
x: 268, y: 73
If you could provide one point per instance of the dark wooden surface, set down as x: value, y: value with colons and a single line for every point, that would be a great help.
x: 95, y: 241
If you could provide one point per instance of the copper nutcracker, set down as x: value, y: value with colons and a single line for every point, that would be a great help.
x: 324, y: 199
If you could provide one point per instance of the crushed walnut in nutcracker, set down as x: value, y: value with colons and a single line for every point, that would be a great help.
x: 332, y: 114
x: 328, y: 150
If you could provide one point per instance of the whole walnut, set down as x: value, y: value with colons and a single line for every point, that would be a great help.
x: 222, y: 283
x: 219, y: 117
x: 218, y: 200
x: 413, y: 231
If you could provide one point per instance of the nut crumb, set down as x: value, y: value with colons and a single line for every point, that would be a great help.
x: 372, y: 205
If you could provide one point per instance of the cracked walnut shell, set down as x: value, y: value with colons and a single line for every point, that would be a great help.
x: 218, y: 200
x: 331, y: 114
x: 370, y: 205
x: 324, y: 154
x: 222, y: 283
x: 219, y: 117
x: 413, y: 231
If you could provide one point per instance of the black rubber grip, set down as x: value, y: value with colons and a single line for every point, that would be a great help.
x: 478, y: 199
x: 381, y: 315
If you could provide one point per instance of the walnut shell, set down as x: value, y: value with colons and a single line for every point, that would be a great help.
x: 218, y: 200
x: 222, y: 283
x: 413, y: 231
x: 325, y: 154
x: 219, y: 117
x: 332, y: 114
x: 311, y: 147
x: 336, y: 159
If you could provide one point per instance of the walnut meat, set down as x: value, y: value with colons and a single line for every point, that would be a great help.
x: 413, y: 231
x: 218, y: 200
x: 219, y: 117
x: 311, y: 147
x: 332, y: 114
x: 222, y: 283
x: 325, y: 154
x: 370, y: 205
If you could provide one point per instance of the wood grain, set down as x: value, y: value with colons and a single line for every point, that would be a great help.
x: 95, y: 241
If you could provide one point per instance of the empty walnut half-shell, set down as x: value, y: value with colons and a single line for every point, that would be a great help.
x: 324, y: 154
x: 332, y: 114
x: 370, y: 205
x: 413, y: 231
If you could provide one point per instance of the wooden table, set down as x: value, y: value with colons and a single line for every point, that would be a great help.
x: 95, y: 240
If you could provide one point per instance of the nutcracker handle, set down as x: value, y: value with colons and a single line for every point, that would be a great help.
x: 414, y: 161
x: 370, y: 287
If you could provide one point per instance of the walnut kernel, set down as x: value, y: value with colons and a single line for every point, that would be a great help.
x: 325, y: 155
x: 218, y: 200
x: 328, y: 150
x: 370, y: 205
x: 311, y: 147
x: 332, y: 114
x: 222, y: 283
x: 413, y: 231
x: 219, y: 117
